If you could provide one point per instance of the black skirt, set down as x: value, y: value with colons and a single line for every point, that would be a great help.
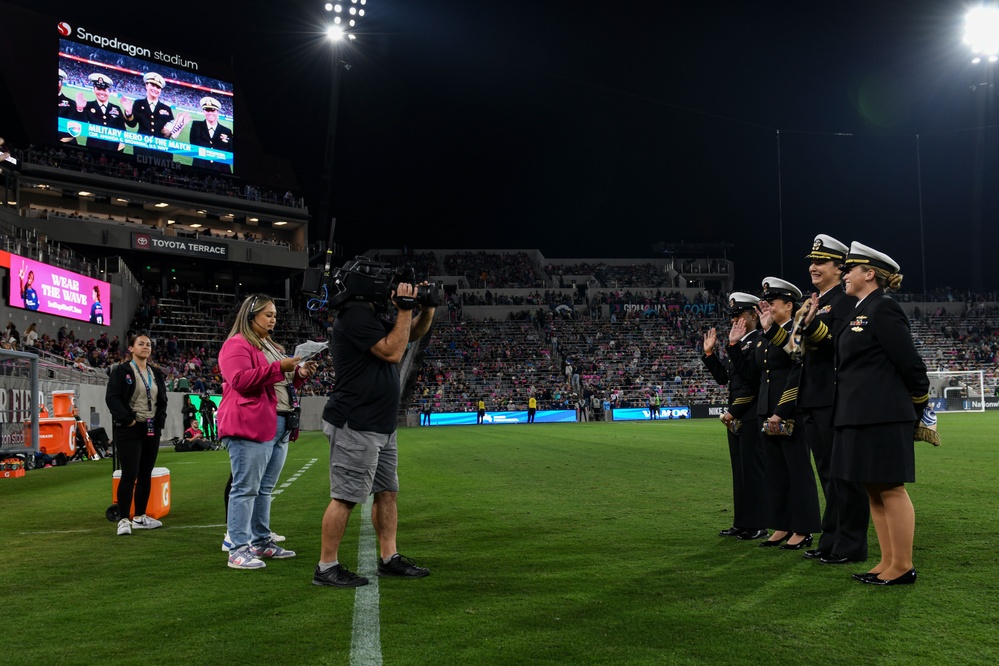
x: 877, y: 453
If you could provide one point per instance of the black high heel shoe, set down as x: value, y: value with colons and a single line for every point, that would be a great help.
x: 804, y: 543
x: 772, y: 544
x: 908, y: 578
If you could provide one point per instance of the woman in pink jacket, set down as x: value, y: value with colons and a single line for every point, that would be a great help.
x: 256, y: 418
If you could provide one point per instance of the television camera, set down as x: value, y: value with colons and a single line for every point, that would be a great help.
x: 368, y: 281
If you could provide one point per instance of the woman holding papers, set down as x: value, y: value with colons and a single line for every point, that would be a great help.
x: 256, y: 418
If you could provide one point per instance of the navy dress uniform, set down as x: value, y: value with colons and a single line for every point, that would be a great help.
x: 66, y: 109
x: 151, y: 119
x: 881, y: 387
x: 847, y: 511
x: 218, y: 137
x: 793, y: 497
x: 740, y: 372
x: 106, y: 115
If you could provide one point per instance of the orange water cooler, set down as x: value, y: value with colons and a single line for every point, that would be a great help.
x: 63, y: 403
x: 55, y: 435
x: 159, y: 493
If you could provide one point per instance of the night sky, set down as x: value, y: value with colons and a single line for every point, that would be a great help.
x: 597, y: 129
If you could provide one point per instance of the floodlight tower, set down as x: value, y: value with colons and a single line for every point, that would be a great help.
x: 981, y: 35
x: 345, y: 15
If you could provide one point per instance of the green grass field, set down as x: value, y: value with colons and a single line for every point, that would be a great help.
x: 548, y: 544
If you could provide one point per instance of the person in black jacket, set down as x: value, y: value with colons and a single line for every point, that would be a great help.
x: 739, y: 371
x: 190, y: 412
x: 101, y: 112
x: 208, y: 410
x: 137, y: 397
x: 794, y: 499
x: 846, y: 515
x: 881, y: 392
x: 151, y: 117
x: 210, y: 133
x: 66, y: 109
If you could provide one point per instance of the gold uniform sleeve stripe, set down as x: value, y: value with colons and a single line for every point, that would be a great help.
x: 789, y: 396
x: 742, y: 401
x: 820, y: 333
x: 780, y: 337
x: 922, y: 398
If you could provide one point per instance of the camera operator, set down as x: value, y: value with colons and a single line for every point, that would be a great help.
x: 360, y: 421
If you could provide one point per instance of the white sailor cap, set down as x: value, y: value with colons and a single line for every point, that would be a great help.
x: 861, y: 254
x: 62, y: 75
x: 827, y: 248
x: 210, y: 103
x: 740, y: 301
x: 776, y: 288
x: 102, y: 81
x: 154, y: 78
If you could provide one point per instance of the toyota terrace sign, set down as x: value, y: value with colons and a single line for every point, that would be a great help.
x: 186, y: 246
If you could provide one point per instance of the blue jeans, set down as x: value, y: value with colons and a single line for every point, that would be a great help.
x: 256, y: 467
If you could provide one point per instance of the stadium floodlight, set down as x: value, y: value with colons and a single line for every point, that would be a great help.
x: 340, y: 32
x: 343, y: 28
x: 981, y: 33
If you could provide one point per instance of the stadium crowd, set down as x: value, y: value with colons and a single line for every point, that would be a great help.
x: 79, y: 159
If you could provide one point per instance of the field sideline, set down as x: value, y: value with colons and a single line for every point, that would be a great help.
x: 548, y: 544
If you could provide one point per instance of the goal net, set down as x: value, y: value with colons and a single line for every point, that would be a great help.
x: 957, y: 391
x: 17, y: 373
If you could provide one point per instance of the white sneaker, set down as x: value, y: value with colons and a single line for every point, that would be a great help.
x: 124, y: 527
x: 277, y: 537
x: 144, y: 522
x: 242, y: 558
x: 226, y: 543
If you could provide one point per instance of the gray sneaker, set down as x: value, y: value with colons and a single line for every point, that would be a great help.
x: 242, y: 558
x: 338, y: 576
x: 271, y: 550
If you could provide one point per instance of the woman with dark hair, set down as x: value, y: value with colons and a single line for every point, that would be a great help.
x: 793, y: 496
x: 881, y: 392
x: 137, y: 397
x: 258, y: 413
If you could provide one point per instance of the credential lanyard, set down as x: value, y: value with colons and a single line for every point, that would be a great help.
x: 147, y: 383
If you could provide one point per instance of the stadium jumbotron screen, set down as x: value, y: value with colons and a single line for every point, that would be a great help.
x: 43, y: 288
x: 120, y: 103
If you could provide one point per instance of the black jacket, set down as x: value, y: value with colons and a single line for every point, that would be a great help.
x: 740, y: 373
x: 818, y: 339
x: 779, y: 374
x: 121, y: 386
x: 880, y: 377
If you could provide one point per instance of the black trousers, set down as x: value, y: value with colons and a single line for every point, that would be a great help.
x: 794, y: 499
x: 749, y: 479
x: 136, y: 453
x: 847, y: 514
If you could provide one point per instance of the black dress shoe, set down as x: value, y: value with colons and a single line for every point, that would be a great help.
x: 833, y: 558
x: 804, y: 543
x: 750, y: 535
x: 732, y: 531
x: 776, y: 542
x: 908, y: 578
x: 862, y: 576
x: 814, y: 554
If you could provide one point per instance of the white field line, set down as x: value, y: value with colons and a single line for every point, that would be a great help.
x: 365, y: 641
